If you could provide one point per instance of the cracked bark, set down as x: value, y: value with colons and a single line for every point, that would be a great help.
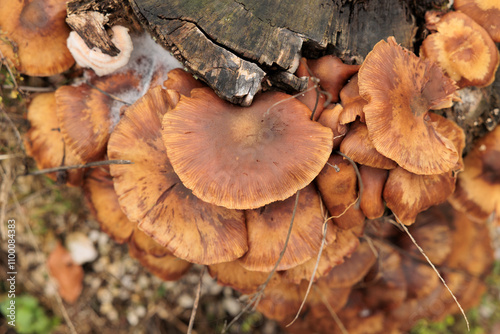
x: 265, y: 38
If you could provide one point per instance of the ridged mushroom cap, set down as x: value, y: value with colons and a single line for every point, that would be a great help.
x: 462, y: 48
x: 244, y: 157
x: 400, y: 88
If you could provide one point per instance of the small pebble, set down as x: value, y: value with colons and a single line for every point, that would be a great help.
x: 104, y: 295
x: 231, y: 306
x: 94, y: 235
x: 140, y: 311
x: 185, y: 301
x: 132, y: 318
x: 81, y: 248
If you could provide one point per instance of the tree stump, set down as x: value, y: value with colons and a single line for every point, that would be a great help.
x: 234, y: 45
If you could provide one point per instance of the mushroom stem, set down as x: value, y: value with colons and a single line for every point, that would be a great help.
x: 358, y: 174
x: 196, y: 302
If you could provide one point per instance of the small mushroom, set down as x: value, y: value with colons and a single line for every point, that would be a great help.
x: 34, y: 36
x: 338, y: 185
x: 407, y: 194
x: 352, y: 102
x: 400, y: 88
x: 358, y: 146
x: 478, y: 186
x: 156, y: 258
x: 87, y: 114
x: 485, y: 12
x: 182, y: 82
x: 462, y: 48
x: 330, y: 118
x: 244, y: 157
x: 333, y: 74
x: 371, y: 202
x: 346, y: 242
x: 243, y: 280
x: 103, y: 204
x: 312, y: 98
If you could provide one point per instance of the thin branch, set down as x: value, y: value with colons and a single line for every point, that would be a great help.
x: 435, y: 270
x: 30, y: 89
x: 254, y: 301
x: 196, y: 302
x: 337, y: 169
x: 90, y: 164
x: 114, y: 97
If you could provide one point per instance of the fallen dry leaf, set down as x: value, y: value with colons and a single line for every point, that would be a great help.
x: 66, y: 272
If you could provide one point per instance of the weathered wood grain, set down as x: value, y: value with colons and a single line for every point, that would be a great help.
x: 250, y: 39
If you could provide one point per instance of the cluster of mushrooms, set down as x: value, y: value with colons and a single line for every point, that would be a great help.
x: 346, y: 162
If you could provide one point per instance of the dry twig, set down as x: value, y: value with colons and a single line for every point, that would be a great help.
x: 90, y: 164
x: 196, y: 302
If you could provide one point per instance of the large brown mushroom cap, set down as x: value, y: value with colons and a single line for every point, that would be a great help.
x: 485, y: 12
x: 244, y: 158
x: 463, y: 49
x: 400, y: 89
x: 38, y: 29
x: 151, y: 194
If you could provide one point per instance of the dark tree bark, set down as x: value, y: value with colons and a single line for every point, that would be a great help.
x: 232, y: 45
